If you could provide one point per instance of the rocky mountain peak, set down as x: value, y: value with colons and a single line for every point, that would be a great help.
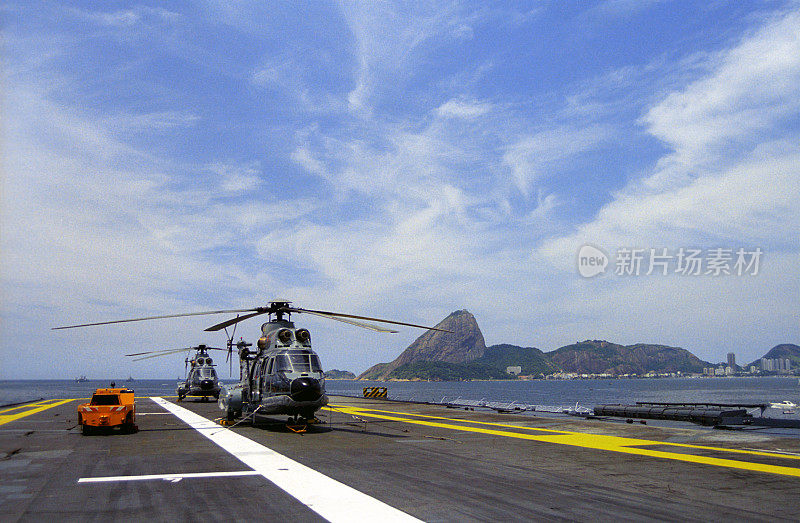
x: 463, y: 344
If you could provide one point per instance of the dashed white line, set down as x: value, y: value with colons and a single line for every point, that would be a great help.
x: 327, y: 497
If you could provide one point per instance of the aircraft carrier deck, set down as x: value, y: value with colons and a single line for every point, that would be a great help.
x: 372, y: 459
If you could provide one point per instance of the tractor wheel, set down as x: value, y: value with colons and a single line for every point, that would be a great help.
x: 128, y: 427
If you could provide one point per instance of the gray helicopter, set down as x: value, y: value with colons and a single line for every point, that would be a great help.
x: 201, y: 379
x: 283, y: 375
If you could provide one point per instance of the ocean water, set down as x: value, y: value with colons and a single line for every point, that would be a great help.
x: 14, y: 391
x: 586, y: 393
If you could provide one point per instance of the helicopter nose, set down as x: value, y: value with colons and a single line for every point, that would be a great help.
x: 206, y: 385
x: 305, y: 389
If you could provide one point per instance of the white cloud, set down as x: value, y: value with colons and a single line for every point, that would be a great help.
x: 459, y: 108
x: 152, y: 122
x: 129, y: 17
x: 532, y: 157
x: 754, y: 87
x: 236, y: 178
x: 303, y: 157
x: 388, y: 36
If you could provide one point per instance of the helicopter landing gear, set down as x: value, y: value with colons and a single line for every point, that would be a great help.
x: 297, y: 424
x: 181, y: 396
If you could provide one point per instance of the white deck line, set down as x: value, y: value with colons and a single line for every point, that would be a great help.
x: 169, y: 477
x: 327, y: 497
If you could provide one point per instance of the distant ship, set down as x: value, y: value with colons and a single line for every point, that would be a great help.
x: 130, y: 378
x: 82, y: 379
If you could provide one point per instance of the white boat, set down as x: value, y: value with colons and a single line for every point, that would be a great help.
x: 785, y: 404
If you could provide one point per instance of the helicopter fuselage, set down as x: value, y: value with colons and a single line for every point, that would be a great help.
x: 282, y: 377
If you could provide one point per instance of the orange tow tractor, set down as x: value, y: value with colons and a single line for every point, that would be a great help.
x: 108, y: 408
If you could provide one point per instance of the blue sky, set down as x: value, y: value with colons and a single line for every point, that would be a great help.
x: 402, y: 160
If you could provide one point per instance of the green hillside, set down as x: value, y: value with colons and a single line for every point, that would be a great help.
x: 444, y: 371
x: 532, y: 360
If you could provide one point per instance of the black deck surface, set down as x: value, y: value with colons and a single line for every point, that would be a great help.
x: 433, y: 463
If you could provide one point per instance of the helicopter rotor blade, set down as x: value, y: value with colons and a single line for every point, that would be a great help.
x: 353, y: 322
x: 230, y: 336
x: 237, y: 319
x: 154, y: 351
x: 166, y: 351
x: 149, y: 352
x: 341, y: 315
x: 171, y: 350
x: 159, y: 355
x: 228, y: 311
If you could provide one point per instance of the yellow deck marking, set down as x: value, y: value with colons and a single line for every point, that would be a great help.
x: 30, y: 408
x: 647, y: 442
x: 591, y: 441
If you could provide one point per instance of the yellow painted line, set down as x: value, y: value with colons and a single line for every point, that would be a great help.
x: 783, y: 455
x: 590, y: 441
x: 33, y: 404
x: 31, y: 408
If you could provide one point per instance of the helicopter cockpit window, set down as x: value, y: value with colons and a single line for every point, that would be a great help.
x: 282, y: 363
x: 271, y: 366
x: 300, y: 362
x: 105, y: 399
x: 208, y: 373
x: 316, y: 366
x: 305, y: 362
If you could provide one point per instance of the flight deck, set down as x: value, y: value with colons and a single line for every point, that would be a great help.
x: 371, y: 459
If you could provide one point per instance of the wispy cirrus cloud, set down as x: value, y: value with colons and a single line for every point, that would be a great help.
x: 532, y: 157
x: 460, y: 108
x: 129, y: 17
x: 388, y: 36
